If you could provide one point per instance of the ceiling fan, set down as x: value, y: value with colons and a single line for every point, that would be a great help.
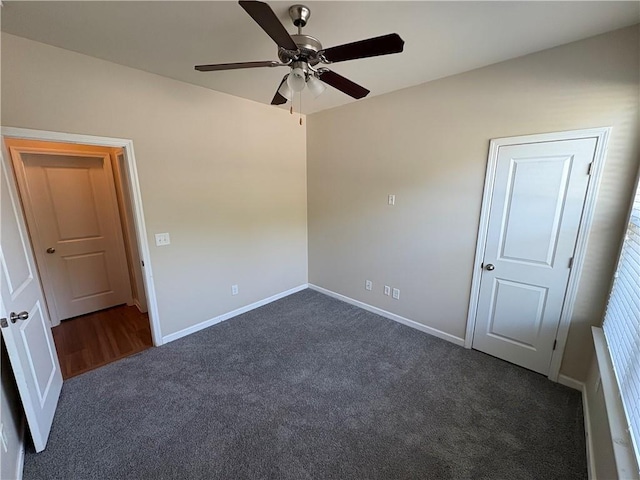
x: 303, y: 54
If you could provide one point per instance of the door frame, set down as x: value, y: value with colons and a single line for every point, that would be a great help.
x: 601, y: 134
x: 131, y: 176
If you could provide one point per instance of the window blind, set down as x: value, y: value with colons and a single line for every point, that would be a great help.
x: 622, y: 324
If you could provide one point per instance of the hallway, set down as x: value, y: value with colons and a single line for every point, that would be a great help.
x: 91, y: 341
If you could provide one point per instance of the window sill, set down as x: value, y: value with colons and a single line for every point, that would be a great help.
x: 622, y: 445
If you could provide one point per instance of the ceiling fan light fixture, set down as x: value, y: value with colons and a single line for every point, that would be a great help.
x: 285, y: 90
x: 316, y: 87
x: 296, y: 79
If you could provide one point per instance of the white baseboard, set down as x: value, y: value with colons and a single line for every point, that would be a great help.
x: 391, y: 316
x: 570, y: 382
x: 226, y: 316
x: 136, y: 303
x: 577, y: 385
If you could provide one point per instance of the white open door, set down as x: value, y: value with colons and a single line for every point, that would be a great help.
x: 25, y: 325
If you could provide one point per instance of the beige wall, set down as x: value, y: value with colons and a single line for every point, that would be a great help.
x: 224, y: 176
x: 428, y: 145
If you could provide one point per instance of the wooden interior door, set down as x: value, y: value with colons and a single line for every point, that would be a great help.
x: 71, y: 209
x: 24, y: 324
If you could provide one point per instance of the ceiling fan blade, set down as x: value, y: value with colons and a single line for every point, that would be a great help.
x: 264, y: 16
x: 277, y: 98
x: 233, y: 66
x: 371, y: 47
x: 343, y: 84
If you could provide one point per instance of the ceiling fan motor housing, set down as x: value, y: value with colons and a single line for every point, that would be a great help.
x: 308, y: 46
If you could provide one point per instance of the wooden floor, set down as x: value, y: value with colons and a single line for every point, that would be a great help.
x: 91, y: 341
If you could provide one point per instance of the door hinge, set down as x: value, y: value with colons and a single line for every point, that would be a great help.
x: 555, y: 343
x: 590, y: 168
x: 571, y: 262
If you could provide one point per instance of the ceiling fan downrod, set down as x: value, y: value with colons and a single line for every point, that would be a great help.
x: 299, y: 16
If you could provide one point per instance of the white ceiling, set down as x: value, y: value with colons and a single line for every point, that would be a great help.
x: 441, y: 38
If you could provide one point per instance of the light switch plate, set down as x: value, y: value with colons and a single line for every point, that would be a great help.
x: 162, y: 239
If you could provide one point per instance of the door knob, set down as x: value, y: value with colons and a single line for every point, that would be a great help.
x: 490, y: 267
x: 51, y: 250
x: 14, y: 317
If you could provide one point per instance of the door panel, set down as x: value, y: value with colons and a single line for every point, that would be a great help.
x: 537, y: 190
x: 16, y: 268
x: 40, y: 354
x: 515, y: 299
x: 72, y: 212
x: 29, y: 342
x: 87, y: 274
x: 73, y: 199
x: 536, y: 207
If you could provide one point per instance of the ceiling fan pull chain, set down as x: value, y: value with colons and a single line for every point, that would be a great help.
x: 300, y: 107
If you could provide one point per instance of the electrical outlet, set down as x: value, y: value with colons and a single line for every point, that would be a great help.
x: 368, y: 285
x: 387, y: 290
x: 234, y: 289
x: 392, y: 200
x: 162, y: 239
x: 396, y: 293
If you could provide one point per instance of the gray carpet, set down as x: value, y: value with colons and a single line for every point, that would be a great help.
x: 309, y: 387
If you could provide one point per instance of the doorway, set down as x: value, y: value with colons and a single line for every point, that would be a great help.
x: 73, y: 200
x: 26, y: 330
x: 538, y: 204
x: 79, y: 212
